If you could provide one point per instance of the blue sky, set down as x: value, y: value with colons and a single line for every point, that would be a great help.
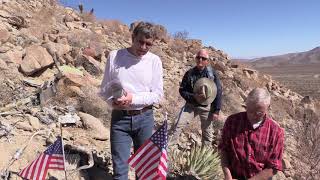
x: 241, y: 28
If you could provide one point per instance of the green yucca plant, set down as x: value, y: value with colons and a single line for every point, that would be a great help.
x: 202, y: 162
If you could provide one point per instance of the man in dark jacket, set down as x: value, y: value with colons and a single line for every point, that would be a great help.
x: 208, y: 113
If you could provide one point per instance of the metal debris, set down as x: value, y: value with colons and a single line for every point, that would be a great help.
x: 69, y: 118
x: 5, y: 130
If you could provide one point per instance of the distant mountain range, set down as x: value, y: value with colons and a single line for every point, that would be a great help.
x: 301, y: 58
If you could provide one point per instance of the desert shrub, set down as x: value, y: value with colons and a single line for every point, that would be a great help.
x: 83, y: 39
x: 181, y: 35
x: 309, y: 144
x: 201, y: 162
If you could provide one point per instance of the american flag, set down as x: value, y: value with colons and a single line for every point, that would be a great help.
x: 52, y: 158
x: 150, y: 160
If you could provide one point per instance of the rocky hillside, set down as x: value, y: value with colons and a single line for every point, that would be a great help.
x: 51, y: 64
x: 301, y: 58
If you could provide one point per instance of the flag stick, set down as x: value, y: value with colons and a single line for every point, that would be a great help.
x: 64, y: 157
x: 166, y: 117
x: 176, y: 123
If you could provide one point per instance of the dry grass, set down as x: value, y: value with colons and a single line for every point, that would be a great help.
x: 181, y: 35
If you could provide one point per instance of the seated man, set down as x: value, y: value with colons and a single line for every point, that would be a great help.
x: 252, y: 143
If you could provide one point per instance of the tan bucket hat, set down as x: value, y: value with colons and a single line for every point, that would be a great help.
x: 207, y: 87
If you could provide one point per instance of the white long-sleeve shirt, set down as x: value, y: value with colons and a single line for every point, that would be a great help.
x: 143, y: 77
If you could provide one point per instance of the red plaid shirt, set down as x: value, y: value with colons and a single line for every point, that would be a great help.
x: 249, y: 150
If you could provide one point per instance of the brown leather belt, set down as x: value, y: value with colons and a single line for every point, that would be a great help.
x: 136, y: 112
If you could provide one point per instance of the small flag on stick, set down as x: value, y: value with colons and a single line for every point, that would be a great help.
x: 51, y: 158
x: 150, y: 160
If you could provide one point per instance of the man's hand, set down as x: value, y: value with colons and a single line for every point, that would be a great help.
x: 224, y: 165
x: 213, y: 116
x: 199, y: 96
x: 227, y: 173
x: 123, y: 101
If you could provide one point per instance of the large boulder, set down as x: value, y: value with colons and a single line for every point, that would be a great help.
x: 37, y: 58
x: 95, y: 126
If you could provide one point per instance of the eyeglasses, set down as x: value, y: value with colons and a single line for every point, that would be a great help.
x: 201, y: 58
x: 258, y: 113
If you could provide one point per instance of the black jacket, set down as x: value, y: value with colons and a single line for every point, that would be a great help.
x: 187, y: 84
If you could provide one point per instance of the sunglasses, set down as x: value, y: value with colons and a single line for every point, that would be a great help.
x: 201, y: 58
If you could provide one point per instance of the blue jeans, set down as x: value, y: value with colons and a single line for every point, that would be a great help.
x: 124, y: 130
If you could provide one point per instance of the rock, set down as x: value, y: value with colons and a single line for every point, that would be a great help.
x: 306, y: 100
x: 73, y: 14
x: 37, y: 58
x: 219, y: 66
x: 96, y: 127
x: 234, y: 66
x: 68, y: 59
x: 70, y: 70
x: 77, y: 25
x: 280, y: 176
x: 89, y: 51
x: 4, y: 36
x: 3, y: 65
x: 4, y: 49
x: 229, y: 74
x: 287, y: 93
x: 73, y: 76
x: 34, y: 122
x: 18, y: 21
x: 24, y: 126
x: 91, y: 65
x: 13, y: 56
x: 250, y: 73
x: 69, y: 118
x: 77, y: 91
x: 60, y: 49
x: 286, y: 164
x: 4, y: 14
x: 73, y: 80
x: 68, y: 18
x: 33, y: 82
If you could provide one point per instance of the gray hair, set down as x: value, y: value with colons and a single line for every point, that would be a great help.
x: 145, y: 28
x: 258, y: 96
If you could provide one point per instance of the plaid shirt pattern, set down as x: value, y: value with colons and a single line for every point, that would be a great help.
x: 249, y: 150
